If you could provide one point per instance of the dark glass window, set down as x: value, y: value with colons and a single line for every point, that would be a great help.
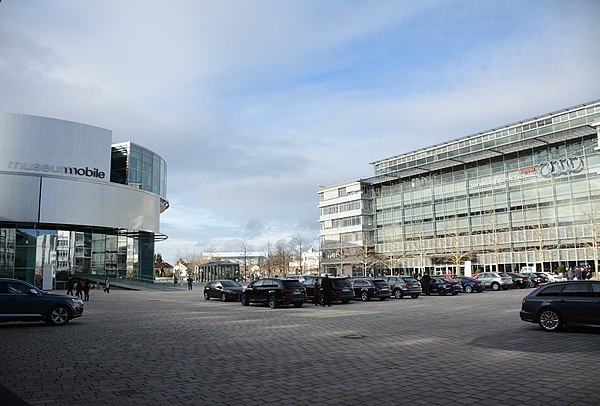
x: 576, y: 290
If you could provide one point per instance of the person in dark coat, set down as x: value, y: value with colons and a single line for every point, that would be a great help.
x: 86, y: 290
x: 317, y: 294
x: 425, y: 281
x: 70, y: 284
x: 327, y: 288
x: 79, y: 289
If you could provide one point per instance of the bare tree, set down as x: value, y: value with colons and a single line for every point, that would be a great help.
x: 365, y: 254
x: 244, y: 255
x: 191, y: 260
x: 269, y: 257
x: 298, y: 245
x: 459, y: 243
x: 592, y: 215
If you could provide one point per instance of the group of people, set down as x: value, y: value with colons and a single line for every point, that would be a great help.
x: 323, y: 292
x: 82, y: 287
x: 579, y: 273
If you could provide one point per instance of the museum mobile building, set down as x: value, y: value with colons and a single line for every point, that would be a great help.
x: 73, y: 202
x: 526, y: 194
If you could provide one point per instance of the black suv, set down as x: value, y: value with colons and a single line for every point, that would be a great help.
x: 443, y: 286
x: 275, y: 292
x: 342, y: 289
x: 519, y: 280
x: 20, y: 301
x: 403, y: 286
x: 367, y: 288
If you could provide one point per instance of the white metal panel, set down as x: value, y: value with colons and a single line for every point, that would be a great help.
x: 19, y: 198
x: 98, y: 204
x: 34, y: 144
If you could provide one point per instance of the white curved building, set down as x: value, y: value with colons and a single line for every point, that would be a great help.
x: 71, y: 201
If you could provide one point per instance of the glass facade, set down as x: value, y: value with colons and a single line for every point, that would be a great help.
x: 139, y: 167
x: 525, y: 194
x: 25, y: 250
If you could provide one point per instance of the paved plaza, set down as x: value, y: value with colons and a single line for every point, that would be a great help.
x: 175, y: 348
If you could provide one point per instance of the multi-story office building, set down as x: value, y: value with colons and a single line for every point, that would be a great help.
x: 72, y: 202
x: 527, y: 193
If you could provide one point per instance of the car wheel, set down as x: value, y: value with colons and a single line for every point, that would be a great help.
x: 469, y: 289
x: 298, y: 304
x: 206, y: 296
x: 532, y: 284
x: 495, y: 286
x: 223, y: 297
x: 364, y: 296
x: 398, y: 294
x: 244, y: 300
x: 441, y: 292
x: 415, y: 295
x: 549, y: 320
x: 59, y: 315
x: 272, y: 301
x: 345, y: 301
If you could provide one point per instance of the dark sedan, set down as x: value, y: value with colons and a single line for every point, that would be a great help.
x: 20, y: 301
x: 225, y: 290
x: 519, y: 280
x: 470, y: 285
x: 443, y: 286
x: 366, y: 289
x: 560, y: 304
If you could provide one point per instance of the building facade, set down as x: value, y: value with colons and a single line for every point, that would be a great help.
x: 70, y: 201
x: 524, y: 194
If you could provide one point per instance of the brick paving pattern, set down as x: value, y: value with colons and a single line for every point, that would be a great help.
x: 175, y: 348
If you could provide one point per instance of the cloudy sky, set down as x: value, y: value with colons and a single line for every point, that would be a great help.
x: 254, y: 103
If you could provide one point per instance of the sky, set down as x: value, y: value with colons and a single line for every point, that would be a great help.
x: 255, y: 103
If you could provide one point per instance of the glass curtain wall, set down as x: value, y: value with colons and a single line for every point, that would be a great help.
x: 429, y: 220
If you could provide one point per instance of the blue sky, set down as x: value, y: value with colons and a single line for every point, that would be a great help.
x: 254, y: 103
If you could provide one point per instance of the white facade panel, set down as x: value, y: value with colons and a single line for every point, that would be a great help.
x: 19, y: 199
x: 96, y: 204
x: 46, y: 146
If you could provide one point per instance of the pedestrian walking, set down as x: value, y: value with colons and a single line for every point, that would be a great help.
x: 79, y: 289
x: 86, y: 290
x: 570, y: 274
x: 190, y: 282
x: 70, y: 284
x: 578, y: 273
x: 107, y: 285
x: 425, y: 281
x: 317, y: 294
x: 327, y: 289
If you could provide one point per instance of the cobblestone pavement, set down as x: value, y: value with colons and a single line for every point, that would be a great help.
x: 174, y: 348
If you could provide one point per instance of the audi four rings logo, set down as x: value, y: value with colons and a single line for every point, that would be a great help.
x: 562, y: 166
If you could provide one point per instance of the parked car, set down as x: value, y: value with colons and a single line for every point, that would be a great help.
x: 535, y: 279
x: 224, y: 289
x: 20, y: 301
x: 552, y: 277
x: 494, y: 280
x: 470, y: 285
x: 342, y: 289
x: 401, y: 286
x: 519, y: 280
x: 367, y: 288
x: 275, y: 292
x: 443, y: 286
x: 560, y: 304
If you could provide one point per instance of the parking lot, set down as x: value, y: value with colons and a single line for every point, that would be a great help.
x: 157, y: 348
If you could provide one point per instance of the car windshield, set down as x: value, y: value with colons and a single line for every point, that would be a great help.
x: 230, y: 284
x: 410, y: 280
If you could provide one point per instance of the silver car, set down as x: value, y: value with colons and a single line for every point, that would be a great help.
x: 494, y: 280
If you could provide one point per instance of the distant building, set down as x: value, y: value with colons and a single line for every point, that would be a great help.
x: 502, y: 199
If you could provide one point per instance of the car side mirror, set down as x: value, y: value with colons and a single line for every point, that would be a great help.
x: 33, y: 292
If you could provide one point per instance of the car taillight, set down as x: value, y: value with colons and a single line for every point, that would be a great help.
x: 286, y: 291
x: 524, y: 301
x: 503, y: 279
x: 376, y: 288
x: 406, y: 285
